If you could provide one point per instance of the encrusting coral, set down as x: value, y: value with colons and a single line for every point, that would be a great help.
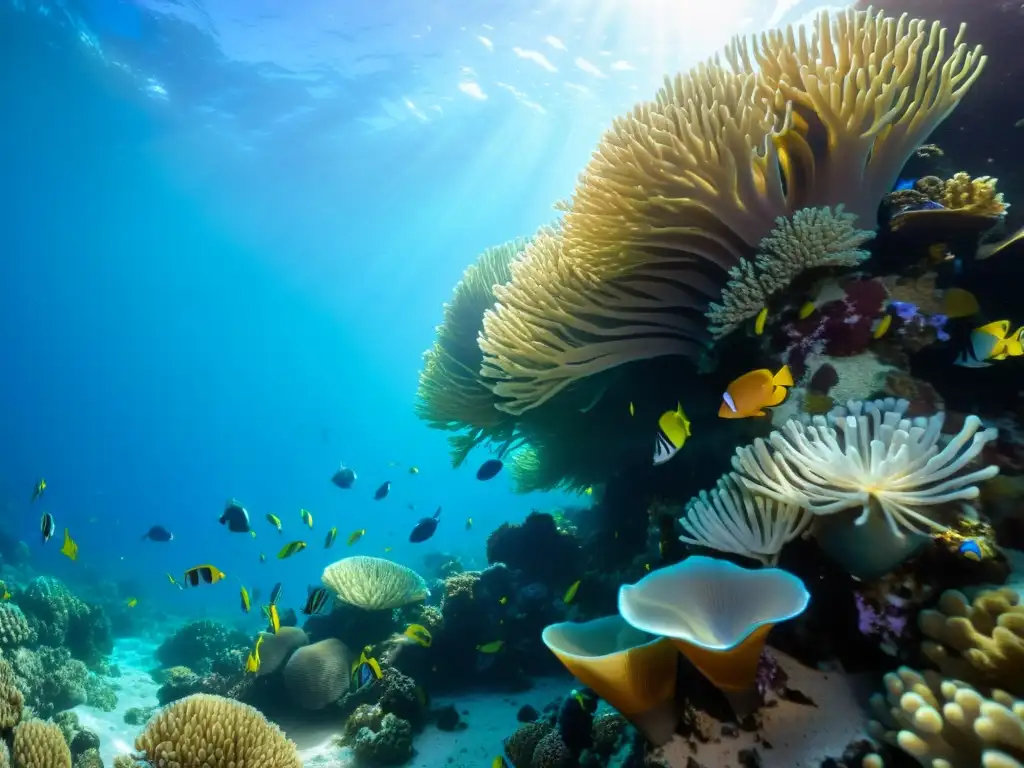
x: 979, y: 641
x: 944, y: 723
x: 811, y: 238
x: 373, y: 583
x: 215, y: 732
x: 38, y: 744
x: 451, y: 394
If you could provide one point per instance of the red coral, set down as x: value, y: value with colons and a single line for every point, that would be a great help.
x: 840, y: 328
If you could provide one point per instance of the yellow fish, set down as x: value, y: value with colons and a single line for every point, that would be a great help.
x: 882, y: 328
x: 387, y: 549
x: 70, y: 548
x: 5, y: 593
x: 275, y: 619
x: 246, y: 605
x: 208, y: 574
x: 992, y: 341
x: 959, y: 303
x: 503, y: 601
x: 356, y: 536
x: 673, y: 431
x: 469, y: 523
x: 290, y: 549
x: 252, y: 663
x: 588, y: 491
x: 752, y: 392
x: 762, y: 318
x: 492, y: 647
x: 632, y: 408
x: 275, y: 521
x: 331, y: 536
x: 570, y: 593
x: 39, y: 488
x: 307, y: 517
x: 419, y: 634
x: 414, y: 470
x: 132, y: 602
x: 253, y: 534
x: 807, y: 310
x: 499, y: 762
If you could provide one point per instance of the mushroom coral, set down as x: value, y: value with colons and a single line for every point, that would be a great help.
x: 451, y: 394
x: 717, y: 613
x: 682, y: 189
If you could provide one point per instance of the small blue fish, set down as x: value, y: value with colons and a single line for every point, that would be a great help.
x: 904, y: 184
x: 971, y: 550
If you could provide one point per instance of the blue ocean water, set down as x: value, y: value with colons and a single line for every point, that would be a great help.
x: 228, y: 229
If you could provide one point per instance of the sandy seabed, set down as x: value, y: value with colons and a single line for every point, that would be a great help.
x: 800, y: 735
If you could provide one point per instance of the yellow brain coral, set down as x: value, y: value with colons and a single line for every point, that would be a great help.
x: 981, y: 642
x: 681, y: 190
x: 214, y: 732
x: 38, y: 744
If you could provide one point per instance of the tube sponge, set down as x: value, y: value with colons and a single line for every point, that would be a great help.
x: 716, y: 612
x: 373, y: 583
x: 215, y: 732
x: 944, y: 723
x: 981, y: 642
x: 632, y: 670
x: 39, y: 744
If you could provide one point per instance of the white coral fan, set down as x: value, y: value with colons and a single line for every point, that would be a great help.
x: 868, y: 455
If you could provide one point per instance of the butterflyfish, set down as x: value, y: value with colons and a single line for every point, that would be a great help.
x: 235, y: 517
x: 69, y: 549
x: 419, y: 635
x: 246, y: 603
x: 47, y: 526
x: 275, y: 593
x: 492, y: 647
x: 673, y: 431
x: 752, y: 392
x: 205, y: 574
x: 132, y: 602
x: 290, y: 549
x: 356, y: 536
x: 316, y: 599
x: 275, y: 619
x: 174, y: 581
x: 499, y: 762
x: 958, y: 303
x: 275, y: 521
x: 252, y: 663
x: 989, y: 342
x: 570, y: 593
x: 760, y: 320
x: 344, y: 478
x: 39, y: 489
x: 331, y: 536
x: 5, y: 593
x: 307, y: 517
x: 365, y: 671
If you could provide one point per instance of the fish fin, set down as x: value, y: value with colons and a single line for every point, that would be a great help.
x: 778, y: 396
x: 761, y: 412
x: 784, y: 378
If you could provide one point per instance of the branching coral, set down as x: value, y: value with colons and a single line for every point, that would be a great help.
x: 451, y: 394
x: 870, y: 89
x: 812, y: 237
x: 944, y: 723
x: 977, y: 195
x: 216, y: 732
x: 868, y: 455
x: 731, y: 519
x: 981, y: 642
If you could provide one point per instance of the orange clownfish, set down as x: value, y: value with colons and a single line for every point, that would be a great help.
x: 752, y: 392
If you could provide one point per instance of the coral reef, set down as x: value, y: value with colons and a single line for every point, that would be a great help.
x: 203, y: 645
x: 538, y: 549
x: 60, y: 619
x: 373, y: 583
x: 50, y: 679
x: 390, y: 744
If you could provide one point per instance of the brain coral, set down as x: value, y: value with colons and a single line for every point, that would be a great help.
x: 38, y: 744
x: 317, y: 675
x: 14, y: 628
x: 374, y: 583
x: 276, y: 648
x: 214, y: 732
